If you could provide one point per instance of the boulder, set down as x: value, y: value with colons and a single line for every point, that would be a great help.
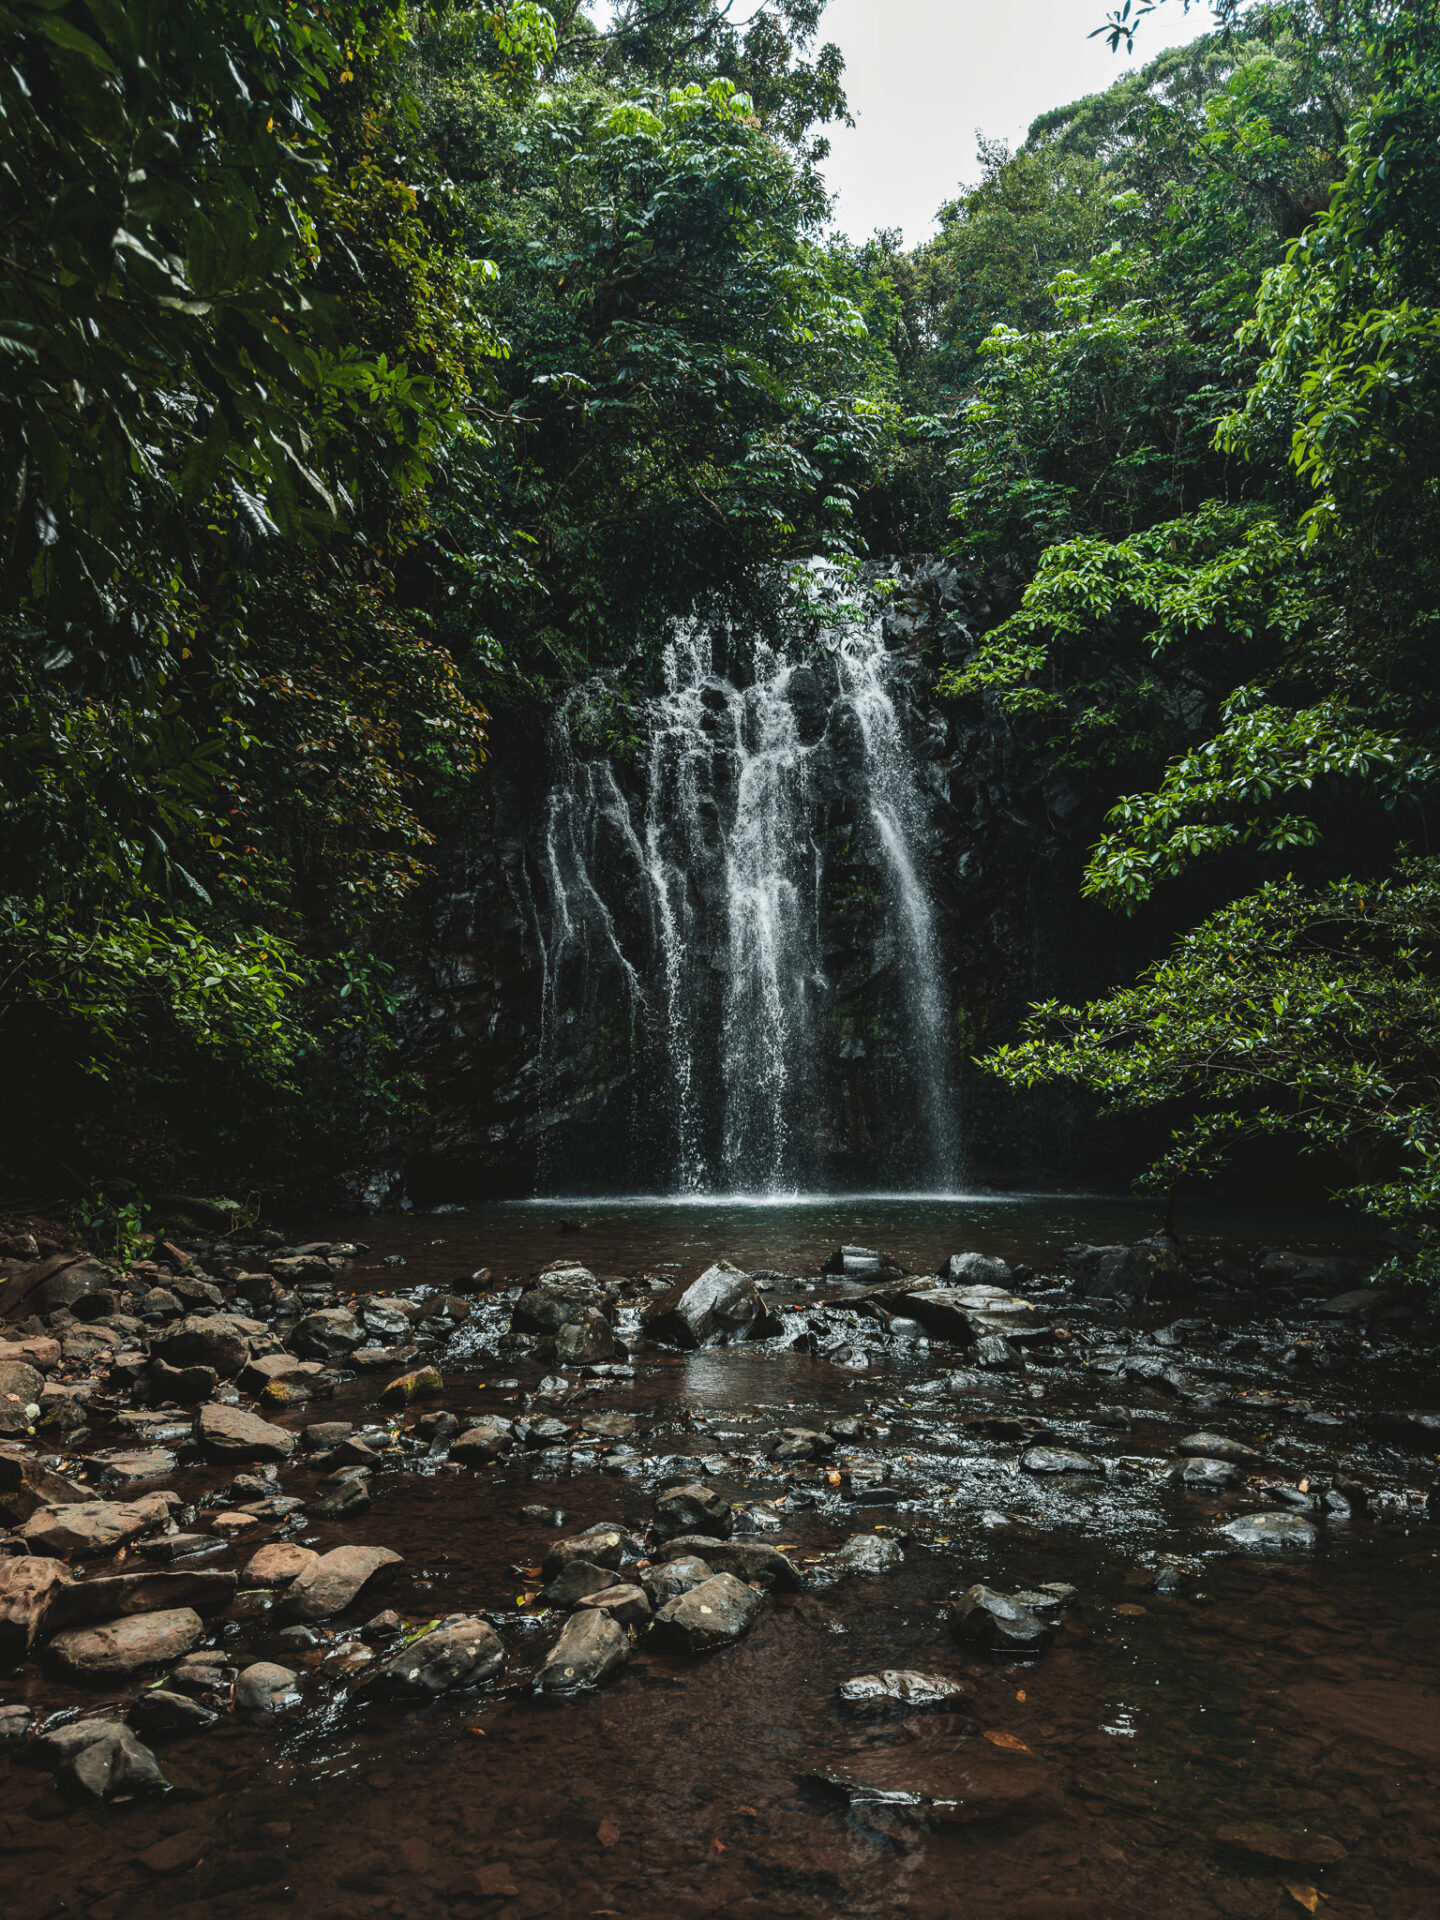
x: 118, y: 1595
x: 460, y: 1652
x: 994, y: 1620
x: 723, y: 1302
x: 626, y: 1606
x: 975, y: 1270
x: 110, y: 1760
x: 1218, y: 1446
x: 92, y: 1526
x: 560, y: 1295
x: 1271, y: 1533
x: 576, y: 1580
x: 482, y: 1443
x: 232, y: 1433
x: 120, y: 1648
x: 674, y: 1577
x: 277, y: 1564
x: 585, y: 1340
x: 332, y: 1581
x: 590, y: 1648
x: 21, y: 1387
x: 602, y: 1546
x: 265, y: 1688
x: 331, y: 1334
x: 875, y: 1696
x: 693, y: 1508
x: 216, y: 1340
x: 266, y: 1368
x: 1058, y: 1460
x: 715, y: 1614
x: 37, y: 1350
x: 746, y: 1558
x: 868, y: 1554
x: 964, y: 1315
x: 406, y: 1387
x: 29, y: 1584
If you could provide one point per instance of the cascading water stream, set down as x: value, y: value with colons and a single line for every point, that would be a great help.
x: 776, y: 800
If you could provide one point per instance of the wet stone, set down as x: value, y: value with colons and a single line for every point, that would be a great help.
x: 118, y: 1648
x: 591, y: 1647
x: 964, y: 1787
x: 627, y: 1606
x: 995, y: 1620
x: 900, y: 1691
x: 1218, y: 1446
x: 674, y: 1577
x: 482, y: 1443
x: 265, y: 1688
x: 158, y: 1711
x: 460, y: 1652
x: 1058, y: 1460
x: 747, y: 1558
x: 114, y: 1762
x: 229, y: 1433
x: 332, y: 1581
x: 868, y: 1554
x: 577, y: 1579
x: 278, y: 1563
x: 601, y: 1546
x: 1296, y: 1848
x: 714, y: 1614
x: 1271, y: 1533
x: 691, y: 1509
x: 1206, y: 1475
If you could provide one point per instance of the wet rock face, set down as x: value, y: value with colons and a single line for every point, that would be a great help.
x: 722, y: 1303
x: 1270, y: 1533
x: 874, y: 1696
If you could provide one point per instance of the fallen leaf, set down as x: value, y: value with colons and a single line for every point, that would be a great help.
x: 1021, y: 1694
x: 607, y: 1833
x: 719, y: 1846
x: 479, y: 1732
x: 750, y: 1810
x: 1007, y: 1741
x: 833, y: 1478
x: 1129, y: 1606
x: 1308, y: 1897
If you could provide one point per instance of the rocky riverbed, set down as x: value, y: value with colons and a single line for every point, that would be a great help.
x: 402, y: 1581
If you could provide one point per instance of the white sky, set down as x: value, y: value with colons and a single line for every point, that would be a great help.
x: 923, y: 75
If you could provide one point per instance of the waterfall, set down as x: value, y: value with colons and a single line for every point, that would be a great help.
x: 737, y: 931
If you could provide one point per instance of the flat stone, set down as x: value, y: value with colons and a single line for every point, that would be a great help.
x: 232, y: 1433
x: 26, y: 1485
x: 601, y: 1546
x: 1271, y: 1533
x: 93, y: 1526
x: 691, y: 1509
x: 1206, y: 1475
x: 900, y: 1691
x: 332, y: 1581
x: 482, y: 1443
x: 122, y: 1647
x: 277, y: 1564
x: 590, y: 1648
x: 576, y: 1579
x: 117, y: 1595
x: 962, y: 1787
x: 29, y: 1584
x: 460, y: 1652
x: 158, y: 1710
x: 746, y: 1558
x: 1219, y: 1446
x: 714, y: 1614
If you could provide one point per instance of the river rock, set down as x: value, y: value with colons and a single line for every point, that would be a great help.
x: 627, y: 1606
x: 602, y: 1545
x: 746, y: 1558
x: 585, y: 1340
x: 184, y: 1386
x: 29, y: 1584
x: 860, y: 1262
x: 411, y: 1386
x: 92, y: 1526
x: 340, y: 1493
x: 482, y: 1443
x: 559, y: 1295
x: 233, y: 1433
x: 266, y: 1368
x: 35, y: 1349
x: 996, y: 1621
x: 460, y: 1652
x: 674, y: 1577
x: 21, y: 1386
x: 217, y: 1340
x: 1218, y: 1446
x: 122, y: 1647
x: 723, y: 1302
x: 963, y: 1315
x: 330, y: 1334
x: 332, y: 1581
x: 1271, y: 1533
x: 868, y: 1554
x: 590, y: 1648
x: 899, y: 1691
x: 1300, y: 1848
x: 1058, y: 1460
x: 278, y: 1563
x: 110, y: 1760
x: 26, y: 1485
x: 975, y: 1270
x: 1205, y: 1476
x: 117, y: 1595
x: 159, y: 1711
x: 265, y: 1688
x: 691, y: 1509
x: 714, y: 1614
x: 576, y: 1579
